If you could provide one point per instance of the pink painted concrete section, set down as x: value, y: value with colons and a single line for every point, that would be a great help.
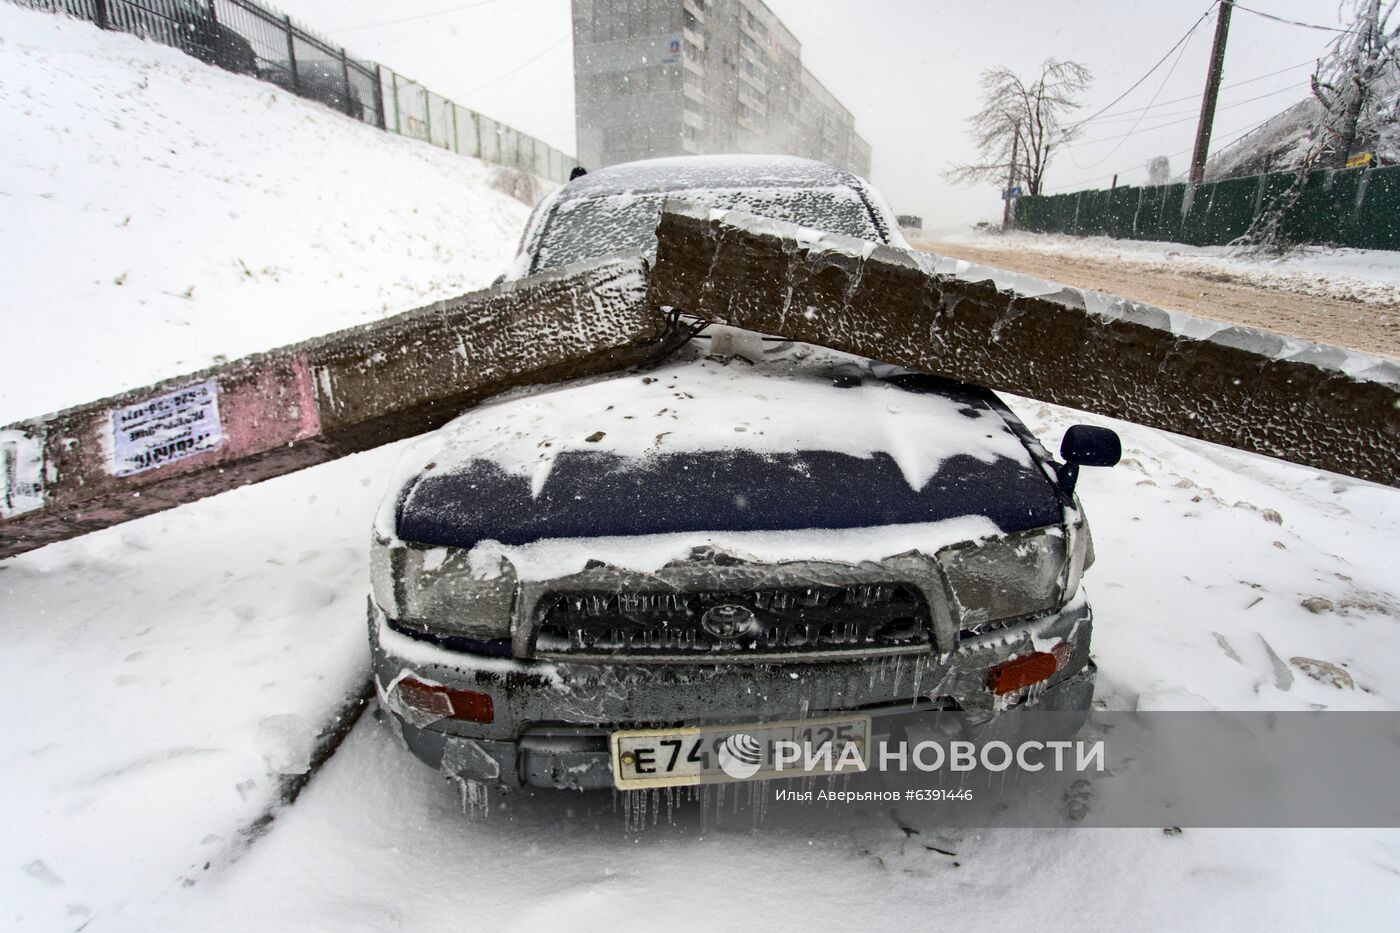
x: 266, y: 404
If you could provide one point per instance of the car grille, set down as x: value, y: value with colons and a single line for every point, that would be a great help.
x: 859, y: 619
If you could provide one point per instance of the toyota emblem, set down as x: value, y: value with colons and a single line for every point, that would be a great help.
x: 727, y: 622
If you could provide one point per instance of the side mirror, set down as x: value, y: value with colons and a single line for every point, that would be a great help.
x: 1086, y: 445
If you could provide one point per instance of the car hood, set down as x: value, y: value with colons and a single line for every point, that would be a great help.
x: 798, y: 440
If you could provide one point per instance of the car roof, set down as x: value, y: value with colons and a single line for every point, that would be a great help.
x: 712, y: 173
x: 718, y: 171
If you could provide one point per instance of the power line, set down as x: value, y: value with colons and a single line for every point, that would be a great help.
x: 434, y: 30
x: 521, y: 67
x: 1240, y: 135
x: 1180, y: 113
x: 1291, y: 22
x: 1123, y: 113
x: 1192, y: 118
x: 417, y: 16
x: 1148, y: 74
x: 1185, y: 44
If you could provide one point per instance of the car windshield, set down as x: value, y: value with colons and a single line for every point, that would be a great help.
x: 583, y: 228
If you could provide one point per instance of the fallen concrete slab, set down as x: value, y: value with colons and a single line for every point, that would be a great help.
x: 153, y: 448
x: 156, y: 447
x: 1313, y: 404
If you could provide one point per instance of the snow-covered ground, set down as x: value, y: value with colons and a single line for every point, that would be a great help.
x: 161, y: 673
x: 156, y: 668
x: 1368, y: 275
x: 157, y: 214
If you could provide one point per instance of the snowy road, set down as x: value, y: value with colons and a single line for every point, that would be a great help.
x: 1343, y: 297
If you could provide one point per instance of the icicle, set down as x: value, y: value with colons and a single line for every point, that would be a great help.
x: 476, y: 798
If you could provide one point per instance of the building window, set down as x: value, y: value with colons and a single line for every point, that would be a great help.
x: 754, y: 25
x: 691, y: 22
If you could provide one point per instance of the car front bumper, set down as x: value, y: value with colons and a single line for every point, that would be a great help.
x: 551, y: 721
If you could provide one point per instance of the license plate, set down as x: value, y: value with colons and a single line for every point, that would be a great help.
x: 748, y: 751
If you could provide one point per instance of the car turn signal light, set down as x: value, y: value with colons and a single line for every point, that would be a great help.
x: 467, y: 705
x: 1019, y: 673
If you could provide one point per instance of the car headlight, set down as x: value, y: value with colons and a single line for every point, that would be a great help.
x: 440, y: 590
x: 1007, y: 577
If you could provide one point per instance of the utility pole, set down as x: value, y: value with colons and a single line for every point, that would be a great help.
x: 1010, y: 178
x: 1217, y: 64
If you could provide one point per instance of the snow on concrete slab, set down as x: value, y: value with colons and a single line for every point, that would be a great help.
x: 1371, y: 276
x: 158, y: 214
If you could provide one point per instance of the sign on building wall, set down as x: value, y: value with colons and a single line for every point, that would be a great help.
x: 627, y: 54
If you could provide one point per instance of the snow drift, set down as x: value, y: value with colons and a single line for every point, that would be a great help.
x: 160, y: 215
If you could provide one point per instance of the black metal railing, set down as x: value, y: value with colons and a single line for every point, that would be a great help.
x: 247, y: 38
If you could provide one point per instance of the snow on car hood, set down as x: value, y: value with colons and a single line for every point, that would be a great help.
x: 718, y: 444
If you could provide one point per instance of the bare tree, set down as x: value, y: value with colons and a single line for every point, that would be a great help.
x: 1347, y: 80
x: 1028, y: 118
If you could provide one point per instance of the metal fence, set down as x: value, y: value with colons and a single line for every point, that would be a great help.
x: 413, y: 110
x: 1357, y: 207
x: 246, y: 37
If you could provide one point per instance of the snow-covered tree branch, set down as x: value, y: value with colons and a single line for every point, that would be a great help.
x: 1355, y: 82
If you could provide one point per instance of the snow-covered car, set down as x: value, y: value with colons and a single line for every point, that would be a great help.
x: 592, y: 584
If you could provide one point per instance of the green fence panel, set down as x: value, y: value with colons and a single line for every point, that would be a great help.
x: 1376, y: 219
x: 1067, y: 213
x: 1349, y: 203
x: 1272, y: 187
x: 1231, y: 209
x: 1323, y: 213
x: 1118, y: 212
x: 1352, y: 207
x: 1148, y: 224
x: 1093, y: 208
x: 1038, y: 214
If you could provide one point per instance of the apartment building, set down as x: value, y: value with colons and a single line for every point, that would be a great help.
x: 671, y: 77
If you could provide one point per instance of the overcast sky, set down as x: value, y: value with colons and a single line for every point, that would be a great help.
x: 907, y: 69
